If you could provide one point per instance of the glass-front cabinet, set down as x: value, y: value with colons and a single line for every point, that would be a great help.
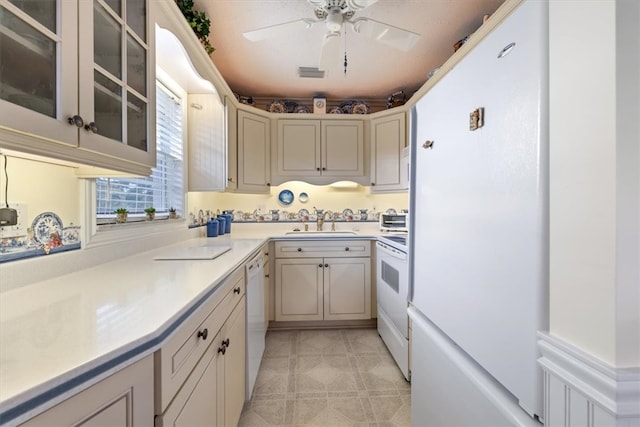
x: 80, y: 74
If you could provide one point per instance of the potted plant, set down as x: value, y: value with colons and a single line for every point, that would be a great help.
x: 172, y: 213
x: 121, y: 215
x: 151, y: 213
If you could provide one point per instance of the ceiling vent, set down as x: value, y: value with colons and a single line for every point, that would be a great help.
x: 311, y: 72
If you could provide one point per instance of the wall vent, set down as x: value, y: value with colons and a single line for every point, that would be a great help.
x: 311, y: 72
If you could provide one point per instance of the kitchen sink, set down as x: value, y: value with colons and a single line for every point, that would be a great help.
x: 322, y: 233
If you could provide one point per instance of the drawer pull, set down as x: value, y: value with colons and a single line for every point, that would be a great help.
x: 326, y: 265
x: 320, y: 265
x: 204, y: 334
x: 266, y: 275
x: 236, y: 290
x: 222, y: 349
x: 226, y: 342
x: 347, y: 249
x: 299, y: 249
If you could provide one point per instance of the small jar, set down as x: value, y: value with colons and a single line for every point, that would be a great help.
x: 212, y: 227
x: 222, y: 225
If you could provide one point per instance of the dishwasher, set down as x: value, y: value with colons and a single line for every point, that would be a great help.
x: 256, y: 325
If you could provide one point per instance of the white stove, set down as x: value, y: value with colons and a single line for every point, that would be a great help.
x: 392, y: 271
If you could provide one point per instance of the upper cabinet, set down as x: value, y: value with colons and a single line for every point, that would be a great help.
x: 389, y: 153
x: 254, y: 147
x: 319, y: 151
x: 207, y: 143
x: 78, y: 81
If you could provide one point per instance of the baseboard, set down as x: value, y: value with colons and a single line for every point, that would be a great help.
x: 323, y: 324
x: 580, y: 389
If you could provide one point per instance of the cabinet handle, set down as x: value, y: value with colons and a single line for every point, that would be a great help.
x: 320, y: 265
x: 326, y: 265
x: 299, y: 249
x: 204, y: 334
x: 230, y: 179
x: 222, y: 349
x: 266, y: 275
x: 91, y: 127
x: 236, y: 290
x: 268, y: 184
x: 347, y: 249
x: 76, y: 120
x: 324, y: 169
x: 226, y: 342
x: 317, y: 169
x: 373, y: 183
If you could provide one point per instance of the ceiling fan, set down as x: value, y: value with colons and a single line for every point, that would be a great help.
x: 334, y: 14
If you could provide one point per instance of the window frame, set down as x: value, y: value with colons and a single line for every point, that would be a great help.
x: 95, y: 234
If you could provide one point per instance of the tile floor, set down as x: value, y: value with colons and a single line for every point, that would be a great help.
x: 328, y: 378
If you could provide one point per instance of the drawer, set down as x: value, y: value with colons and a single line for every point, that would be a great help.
x: 179, y: 354
x: 323, y: 248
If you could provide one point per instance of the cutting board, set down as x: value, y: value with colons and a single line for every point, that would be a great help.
x: 195, y: 252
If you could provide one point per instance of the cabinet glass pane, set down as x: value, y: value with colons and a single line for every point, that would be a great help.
x: 136, y: 66
x: 136, y: 122
x: 137, y: 17
x: 107, y: 41
x: 108, y: 107
x: 43, y: 11
x: 27, y: 65
x: 115, y: 5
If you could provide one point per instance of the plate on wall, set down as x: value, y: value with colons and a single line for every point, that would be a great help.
x: 303, y: 197
x: 285, y: 197
x: 44, y: 225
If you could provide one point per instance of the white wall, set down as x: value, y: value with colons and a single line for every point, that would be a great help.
x: 594, y: 186
x: 44, y: 187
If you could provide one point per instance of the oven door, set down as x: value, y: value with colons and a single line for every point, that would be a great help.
x: 392, y: 286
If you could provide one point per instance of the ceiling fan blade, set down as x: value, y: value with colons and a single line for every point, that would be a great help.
x: 384, y: 33
x: 330, y: 55
x: 356, y: 5
x: 278, y: 29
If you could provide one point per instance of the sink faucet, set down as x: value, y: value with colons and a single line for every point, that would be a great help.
x: 321, y: 219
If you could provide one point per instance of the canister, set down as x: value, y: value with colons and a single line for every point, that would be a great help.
x: 222, y: 225
x: 212, y: 227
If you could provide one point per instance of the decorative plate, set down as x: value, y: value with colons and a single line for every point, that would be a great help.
x: 335, y: 110
x: 303, y: 213
x: 44, y: 225
x: 286, y: 197
x: 302, y: 109
x: 276, y: 107
x: 303, y: 197
x: 347, y: 213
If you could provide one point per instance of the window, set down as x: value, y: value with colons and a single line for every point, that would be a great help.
x: 165, y: 187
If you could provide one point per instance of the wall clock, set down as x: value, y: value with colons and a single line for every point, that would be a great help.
x: 319, y: 106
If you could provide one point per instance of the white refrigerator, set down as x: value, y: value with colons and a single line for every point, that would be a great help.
x: 479, y: 250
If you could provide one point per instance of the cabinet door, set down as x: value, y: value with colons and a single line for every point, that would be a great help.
x: 117, y: 79
x: 388, y: 139
x: 231, y: 368
x: 299, y: 289
x: 347, y: 288
x: 343, y: 148
x: 253, y: 153
x: 207, y: 143
x: 196, y: 403
x: 231, y: 132
x: 121, y: 400
x: 39, y: 78
x: 297, y: 152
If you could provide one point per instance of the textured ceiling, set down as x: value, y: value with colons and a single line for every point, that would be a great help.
x: 269, y: 68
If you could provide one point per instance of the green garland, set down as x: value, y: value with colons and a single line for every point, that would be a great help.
x: 198, y: 22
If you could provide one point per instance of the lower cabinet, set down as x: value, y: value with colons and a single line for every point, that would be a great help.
x: 200, y: 370
x: 123, y: 399
x: 214, y: 392
x: 322, y: 280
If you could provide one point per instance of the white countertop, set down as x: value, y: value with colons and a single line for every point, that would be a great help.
x: 59, y: 329
x: 89, y: 323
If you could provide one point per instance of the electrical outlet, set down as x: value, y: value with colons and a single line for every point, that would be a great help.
x: 20, y: 229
